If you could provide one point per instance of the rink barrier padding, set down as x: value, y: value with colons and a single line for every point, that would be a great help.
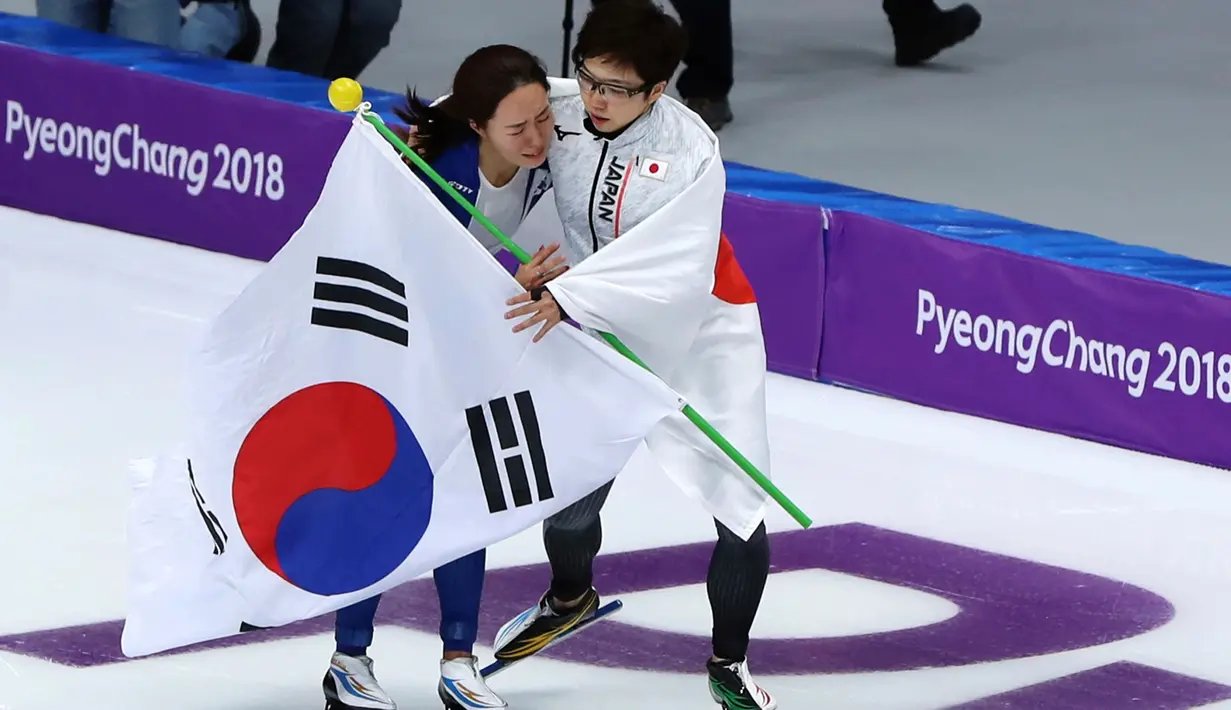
x: 952, y: 308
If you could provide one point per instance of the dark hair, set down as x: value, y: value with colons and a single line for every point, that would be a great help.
x: 482, y: 81
x: 635, y: 33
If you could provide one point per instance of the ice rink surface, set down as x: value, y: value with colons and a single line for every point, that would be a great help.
x: 952, y: 560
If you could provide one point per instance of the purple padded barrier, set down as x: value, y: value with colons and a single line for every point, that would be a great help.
x: 159, y: 157
x: 781, y: 249
x: 985, y: 331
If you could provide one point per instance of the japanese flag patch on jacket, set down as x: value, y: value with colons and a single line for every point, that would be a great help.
x: 653, y: 168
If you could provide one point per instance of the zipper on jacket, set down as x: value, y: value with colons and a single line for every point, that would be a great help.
x: 598, y: 172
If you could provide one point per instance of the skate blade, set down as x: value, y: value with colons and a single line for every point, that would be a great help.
x: 600, y: 614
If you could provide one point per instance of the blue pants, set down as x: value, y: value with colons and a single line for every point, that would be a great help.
x: 153, y: 21
x: 459, y: 585
x: 214, y: 29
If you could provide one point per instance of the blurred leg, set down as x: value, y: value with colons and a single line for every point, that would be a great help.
x: 88, y: 15
x: 306, y: 35
x: 709, y: 65
x: 366, y: 29
x: 214, y: 29
x: 153, y: 21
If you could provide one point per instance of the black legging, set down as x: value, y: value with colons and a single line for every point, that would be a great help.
x: 737, y: 573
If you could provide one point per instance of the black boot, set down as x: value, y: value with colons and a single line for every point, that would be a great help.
x: 541, y: 626
x: 921, y: 30
x: 715, y: 112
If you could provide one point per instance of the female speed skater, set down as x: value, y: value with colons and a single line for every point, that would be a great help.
x: 490, y: 136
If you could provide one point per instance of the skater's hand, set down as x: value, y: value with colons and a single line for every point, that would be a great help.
x: 540, y: 306
x: 540, y: 269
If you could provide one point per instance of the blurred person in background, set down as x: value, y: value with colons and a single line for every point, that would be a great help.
x: 153, y: 21
x: 332, y: 38
x: 215, y: 28
x: 921, y: 30
x: 221, y: 28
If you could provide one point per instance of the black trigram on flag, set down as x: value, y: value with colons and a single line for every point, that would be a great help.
x: 211, y: 521
x: 372, y: 291
x: 518, y: 452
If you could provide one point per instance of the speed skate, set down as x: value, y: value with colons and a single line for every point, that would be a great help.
x: 603, y: 612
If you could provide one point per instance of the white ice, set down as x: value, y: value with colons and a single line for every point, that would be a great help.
x: 94, y: 329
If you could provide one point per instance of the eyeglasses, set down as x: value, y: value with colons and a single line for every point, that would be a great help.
x: 611, y: 92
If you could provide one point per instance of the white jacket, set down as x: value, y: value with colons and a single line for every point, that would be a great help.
x: 642, y: 220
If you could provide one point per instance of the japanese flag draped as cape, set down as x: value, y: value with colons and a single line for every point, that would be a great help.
x: 363, y: 413
x: 671, y: 290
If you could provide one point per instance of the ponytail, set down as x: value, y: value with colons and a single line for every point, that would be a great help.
x: 436, y: 129
x: 482, y: 81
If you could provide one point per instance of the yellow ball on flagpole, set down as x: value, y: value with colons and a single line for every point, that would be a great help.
x: 345, y: 94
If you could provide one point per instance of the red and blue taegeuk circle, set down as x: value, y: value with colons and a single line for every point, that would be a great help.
x: 331, y: 488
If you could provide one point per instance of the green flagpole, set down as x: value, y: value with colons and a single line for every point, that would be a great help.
x: 346, y: 95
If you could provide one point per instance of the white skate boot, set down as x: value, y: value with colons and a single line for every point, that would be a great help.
x: 462, y: 688
x: 732, y: 687
x: 351, y: 684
